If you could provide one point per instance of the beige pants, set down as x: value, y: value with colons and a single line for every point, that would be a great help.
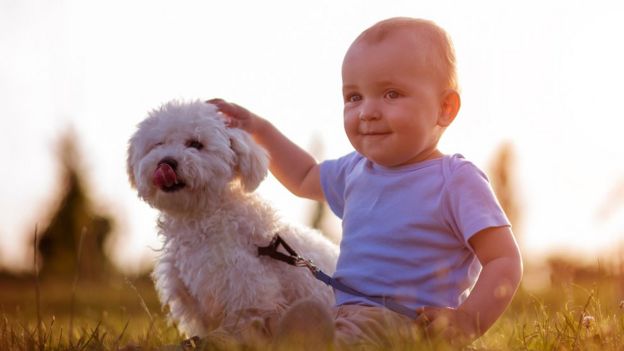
x: 312, y: 326
x: 375, y: 328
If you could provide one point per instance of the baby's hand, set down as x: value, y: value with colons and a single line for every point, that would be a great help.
x: 455, y: 326
x: 236, y: 116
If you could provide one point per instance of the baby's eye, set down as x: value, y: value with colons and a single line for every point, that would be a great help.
x: 195, y: 144
x: 353, y: 98
x: 392, y: 94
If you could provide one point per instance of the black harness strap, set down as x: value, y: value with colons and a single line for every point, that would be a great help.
x: 294, y: 259
x: 271, y: 251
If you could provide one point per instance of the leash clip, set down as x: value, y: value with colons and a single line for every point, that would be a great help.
x: 302, y: 262
x: 292, y: 258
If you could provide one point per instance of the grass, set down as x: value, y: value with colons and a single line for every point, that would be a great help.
x: 570, y: 317
x: 107, y: 315
x: 116, y: 313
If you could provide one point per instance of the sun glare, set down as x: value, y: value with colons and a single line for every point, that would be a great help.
x: 542, y: 76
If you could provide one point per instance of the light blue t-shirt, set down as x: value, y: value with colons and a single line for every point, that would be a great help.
x: 406, y: 229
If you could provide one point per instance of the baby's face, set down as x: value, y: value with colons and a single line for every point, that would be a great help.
x: 391, y: 102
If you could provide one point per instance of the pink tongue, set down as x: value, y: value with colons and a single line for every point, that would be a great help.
x: 164, y: 176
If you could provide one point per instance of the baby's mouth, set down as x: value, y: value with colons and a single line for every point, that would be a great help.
x: 373, y: 132
x: 166, y: 178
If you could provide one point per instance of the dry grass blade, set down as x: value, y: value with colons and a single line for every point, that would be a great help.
x: 118, y: 340
x: 94, y: 333
x: 141, y: 300
x: 580, y: 322
x: 37, y: 291
x: 75, y: 284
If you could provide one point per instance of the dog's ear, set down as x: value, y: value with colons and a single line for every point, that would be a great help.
x: 251, y: 160
x: 130, y: 164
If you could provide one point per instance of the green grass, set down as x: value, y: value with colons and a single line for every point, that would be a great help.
x: 106, y: 316
x: 117, y: 313
x: 570, y: 317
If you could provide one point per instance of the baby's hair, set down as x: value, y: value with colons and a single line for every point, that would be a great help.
x: 441, y: 54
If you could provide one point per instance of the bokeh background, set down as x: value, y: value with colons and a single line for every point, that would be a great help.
x: 541, y: 90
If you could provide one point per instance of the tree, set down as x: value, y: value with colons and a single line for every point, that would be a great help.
x: 320, y: 216
x: 503, y: 179
x: 74, y: 224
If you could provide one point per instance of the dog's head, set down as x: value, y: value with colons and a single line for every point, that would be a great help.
x: 183, y: 156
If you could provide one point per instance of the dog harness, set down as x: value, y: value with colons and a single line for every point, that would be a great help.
x: 293, y: 259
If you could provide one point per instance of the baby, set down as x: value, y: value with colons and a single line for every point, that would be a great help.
x: 420, y: 228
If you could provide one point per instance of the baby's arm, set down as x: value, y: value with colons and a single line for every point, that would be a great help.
x: 498, y: 253
x: 291, y: 165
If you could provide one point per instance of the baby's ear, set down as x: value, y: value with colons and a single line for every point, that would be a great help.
x: 449, y: 107
x: 252, y: 160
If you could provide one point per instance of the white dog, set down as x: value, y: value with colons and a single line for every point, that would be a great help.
x: 186, y: 163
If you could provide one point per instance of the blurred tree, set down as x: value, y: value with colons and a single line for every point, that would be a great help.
x: 613, y: 202
x: 320, y: 216
x: 318, y: 212
x: 74, y: 225
x: 502, y: 176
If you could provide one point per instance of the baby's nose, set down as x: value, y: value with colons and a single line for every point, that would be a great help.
x: 369, y: 111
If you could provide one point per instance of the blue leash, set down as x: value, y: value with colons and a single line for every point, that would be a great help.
x: 293, y: 259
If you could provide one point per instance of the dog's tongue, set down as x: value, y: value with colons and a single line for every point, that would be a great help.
x: 164, y: 176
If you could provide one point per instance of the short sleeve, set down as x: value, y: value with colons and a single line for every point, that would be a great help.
x: 472, y: 205
x: 333, y: 180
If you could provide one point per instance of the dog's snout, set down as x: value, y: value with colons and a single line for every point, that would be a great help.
x: 170, y: 161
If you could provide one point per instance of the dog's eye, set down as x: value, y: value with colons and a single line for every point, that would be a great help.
x: 156, y: 145
x: 194, y: 144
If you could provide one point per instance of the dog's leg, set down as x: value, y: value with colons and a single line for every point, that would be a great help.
x: 173, y: 293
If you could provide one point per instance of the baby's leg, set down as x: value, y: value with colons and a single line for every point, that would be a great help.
x: 311, y: 325
x: 373, y: 328
x: 306, y: 325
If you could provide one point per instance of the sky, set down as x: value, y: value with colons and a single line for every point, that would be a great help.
x: 543, y: 75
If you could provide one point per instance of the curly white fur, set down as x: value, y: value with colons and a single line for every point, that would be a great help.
x: 186, y: 163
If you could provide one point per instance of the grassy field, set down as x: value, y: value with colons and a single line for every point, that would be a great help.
x: 565, y: 315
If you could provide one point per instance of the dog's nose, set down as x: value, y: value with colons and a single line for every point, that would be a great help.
x: 170, y: 161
